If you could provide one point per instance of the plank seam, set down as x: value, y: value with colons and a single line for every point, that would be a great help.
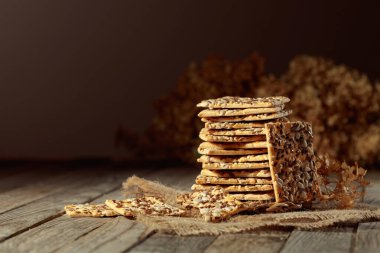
x: 32, y: 226
x: 354, y: 238
x: 287, y: 237
x: 208, y: 246
x: 143, y: 239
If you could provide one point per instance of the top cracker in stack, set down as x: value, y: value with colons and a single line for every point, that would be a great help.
x: 234, y: 151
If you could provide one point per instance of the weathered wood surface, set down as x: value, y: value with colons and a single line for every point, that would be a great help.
x: 368, y: 234
x: 83, y: 187
x: 263, y: 242
x: 168, y: 243
x: 327, y: 240
x: 34, y: 221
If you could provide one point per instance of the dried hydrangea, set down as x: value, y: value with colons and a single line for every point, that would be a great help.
x: 342, y: 104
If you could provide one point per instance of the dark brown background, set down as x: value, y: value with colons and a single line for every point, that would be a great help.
x: 72, y: 71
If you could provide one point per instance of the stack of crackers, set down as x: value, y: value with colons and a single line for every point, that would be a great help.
x: 253, y: 152
x: 251, y: 155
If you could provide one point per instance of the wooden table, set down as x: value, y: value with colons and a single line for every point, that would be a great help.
x: 32, y: 217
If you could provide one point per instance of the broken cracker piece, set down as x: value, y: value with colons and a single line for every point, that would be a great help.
x: 89, y: 210
x: 143, y: 205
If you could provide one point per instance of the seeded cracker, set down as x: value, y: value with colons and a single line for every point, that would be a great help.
x: 219, y: 138
x: 233, y: 159
x: 234, y: 177
x: 234, y: 146
x: 235, y: 132
x: 238, y: 112
x: 258, y: 117
x: 236, y: 188
x: 243, y: 102
x: 242, y: 125
x: 144, y: 205
x: 88, y: 210
x: 223, y: 152
x: 291, y: 159
x: 235, y: 166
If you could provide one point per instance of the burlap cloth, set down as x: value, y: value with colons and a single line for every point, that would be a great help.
x: 184, y: 226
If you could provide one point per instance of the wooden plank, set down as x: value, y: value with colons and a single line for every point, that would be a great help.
x: 368, y: 234
x: 82, y: 190
x: 263, y: 242
x: 368, y: 237
x: 39, y: 189
x: 26, y: 177
x: 372, y: 191
x: 168, y: 243
x: 96, y: 236
x: 327, y: 240
x: 48, y: 238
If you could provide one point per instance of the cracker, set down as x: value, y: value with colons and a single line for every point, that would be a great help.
x: 221, y: 152
x: 242, y: 125
x: 228, y: 149
x: 258, y: 117
x: 89, y: 210
x: 219, y: 138
x: 235, y: 166
x: 214, y: 204
x: 143, y: 205
x: 243, y: 102
x: 237, y: 145
x: 208, y: 177
x: 236, y: 188
x: 245, y: 131
x: 236, y: 174
x: 291, y: 159
x: 232, y: 159
x: 238, y: 112
x: 253, y: 196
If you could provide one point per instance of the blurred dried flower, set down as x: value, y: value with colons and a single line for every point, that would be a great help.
x: 341, y: 103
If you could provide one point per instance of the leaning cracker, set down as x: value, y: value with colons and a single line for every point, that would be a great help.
x: 238, y: 112
x: 243, y: 102
x: 236, y: 188
x: 230, y: 152
x: 242, y: 125
x: 246, y: 145
x: 291, y: 159
x: 235, y: 166
x: 143, y: 205
x: 214, y: 204
x: 246, y: 131
x: 257, y: 117
x: 88, y: 210
x: 253, y: 196
x: 214, y: 180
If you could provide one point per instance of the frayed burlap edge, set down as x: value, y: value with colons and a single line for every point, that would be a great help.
x: 186, y: 226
